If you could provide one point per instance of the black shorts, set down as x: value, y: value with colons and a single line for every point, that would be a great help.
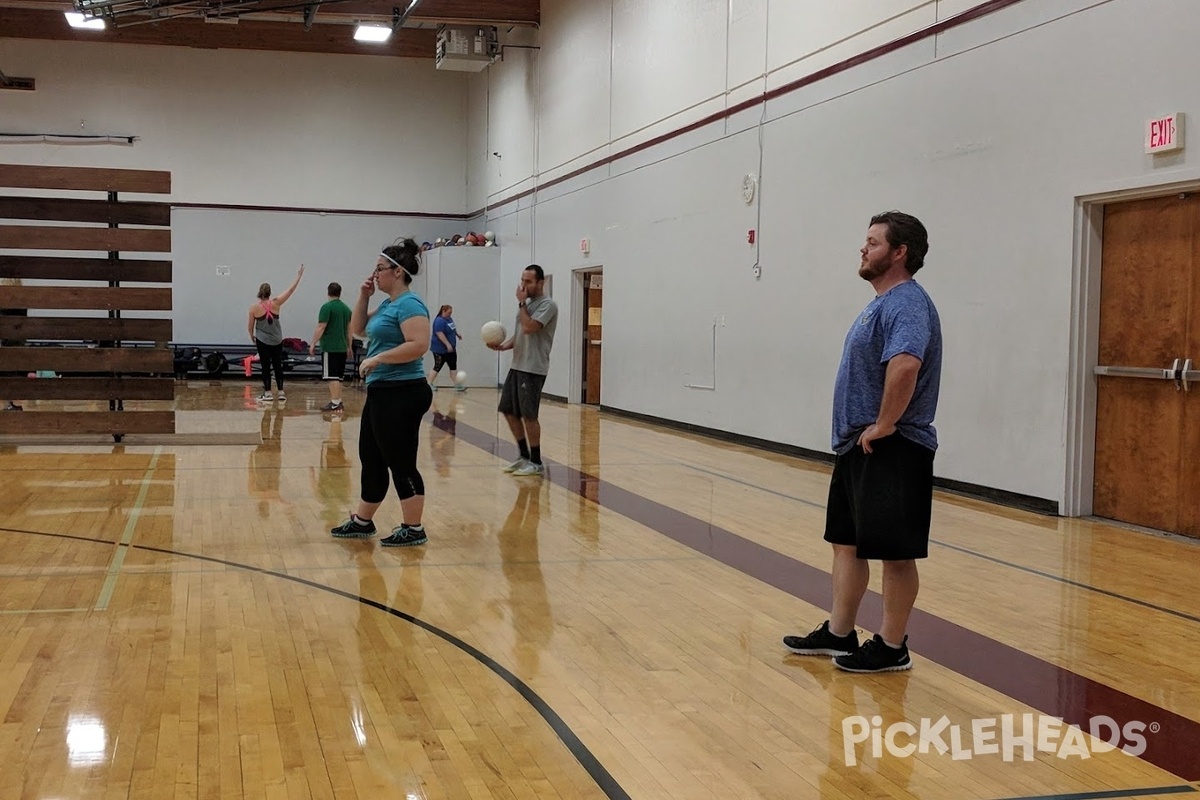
x: 449, y: 359
x: 882, y: 502
x: 522, y: 394
x: 333, y: 366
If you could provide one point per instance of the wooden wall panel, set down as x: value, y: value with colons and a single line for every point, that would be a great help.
x: 88, y: 388
x: 85, y: 269
x: 56, y: 237
x: 95, y: 297
x: 105, y: 235
x: 85, y: 328
x: 22, y: 176
x: 88, y: 359
x: 88, y: 422
x: 70, y: 210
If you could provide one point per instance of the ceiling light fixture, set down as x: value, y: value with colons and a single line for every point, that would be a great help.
x: 77, y: 20
x: 372, y: 33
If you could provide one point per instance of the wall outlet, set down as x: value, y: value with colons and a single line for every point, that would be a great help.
x: 222, y: 271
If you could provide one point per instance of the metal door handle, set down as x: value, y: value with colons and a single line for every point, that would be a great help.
x: 1183, y: 374
x: 1175, y: 369
x: 1154, y: 373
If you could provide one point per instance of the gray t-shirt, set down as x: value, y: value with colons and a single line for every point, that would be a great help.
x: 902, y: 320
x: 531, y: 351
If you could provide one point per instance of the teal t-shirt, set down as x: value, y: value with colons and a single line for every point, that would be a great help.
x: 383, y: 333
x: 336, y: 316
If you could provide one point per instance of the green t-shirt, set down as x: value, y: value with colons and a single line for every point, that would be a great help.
x: 336, y: 316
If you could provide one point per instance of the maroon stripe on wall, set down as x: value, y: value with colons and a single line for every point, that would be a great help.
x: 348, y: 211
x: 882, y: 50
x: 1029, y: 680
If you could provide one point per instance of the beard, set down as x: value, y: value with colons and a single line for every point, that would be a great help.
x: 869, y: 270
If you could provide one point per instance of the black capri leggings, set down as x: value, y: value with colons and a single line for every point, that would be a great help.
x: 270, y: 357
x: 388, y: 437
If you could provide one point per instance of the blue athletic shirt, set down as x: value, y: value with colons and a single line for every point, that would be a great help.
x: 443, y: 325
x: 901, y: 320
x: 383, y: 333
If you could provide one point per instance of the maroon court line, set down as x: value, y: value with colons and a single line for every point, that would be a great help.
x: 1029, y: 680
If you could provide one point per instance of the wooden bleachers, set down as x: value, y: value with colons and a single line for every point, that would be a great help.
x: 107, y: 358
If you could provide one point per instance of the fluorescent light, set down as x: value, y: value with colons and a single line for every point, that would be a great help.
x: 77, y: 20
x: 372, y: 33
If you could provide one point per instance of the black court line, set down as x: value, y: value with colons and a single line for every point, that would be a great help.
x: 967, y: 551
x: 1032, y: 681
x: 603, y: 779
x: 1153, y: 792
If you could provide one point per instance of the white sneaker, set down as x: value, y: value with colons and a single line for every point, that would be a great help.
x: 529, y: 469
x: 516, y: 465
x: 266, y: 397
x: 281, y: 397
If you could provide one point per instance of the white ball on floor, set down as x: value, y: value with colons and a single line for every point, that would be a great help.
x: 460, y: 378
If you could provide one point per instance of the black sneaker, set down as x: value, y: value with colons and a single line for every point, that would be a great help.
x: 876, y: 656
x: 353, y: 529
x: 404, y: 536
x: 332, y: 407
x: 822, y: 643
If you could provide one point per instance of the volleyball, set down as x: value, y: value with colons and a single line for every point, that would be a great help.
x: 493, y: 333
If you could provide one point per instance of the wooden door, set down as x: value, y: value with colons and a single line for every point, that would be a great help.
x: 593, y: 339
x: 1146, y: 469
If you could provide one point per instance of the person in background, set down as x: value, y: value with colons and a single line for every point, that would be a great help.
x: 333, y: 334
x: 444, y: 346
x: 267, y: 334
x: 521, y: 397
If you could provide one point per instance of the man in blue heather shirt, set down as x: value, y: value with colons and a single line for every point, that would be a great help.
x: 881, y: 493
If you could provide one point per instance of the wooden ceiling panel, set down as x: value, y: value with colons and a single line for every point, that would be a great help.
x: 332, y: 31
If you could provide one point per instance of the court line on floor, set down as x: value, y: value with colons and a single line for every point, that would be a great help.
x: 1115, y: 793
x: 135, y: 513
x: 1022, y: 676
x: 598, y: 773
x: 14, y: 611
x: 975, y: 553
x: 607, y: 783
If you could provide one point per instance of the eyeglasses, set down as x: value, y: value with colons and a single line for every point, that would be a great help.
x: 384, y: 268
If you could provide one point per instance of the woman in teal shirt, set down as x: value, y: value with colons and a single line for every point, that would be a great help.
x: 397, y: 396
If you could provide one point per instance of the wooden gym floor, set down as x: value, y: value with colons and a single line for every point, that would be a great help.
x: 176, y: 622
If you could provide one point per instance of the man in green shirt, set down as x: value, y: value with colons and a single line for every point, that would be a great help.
x: 333, y: 334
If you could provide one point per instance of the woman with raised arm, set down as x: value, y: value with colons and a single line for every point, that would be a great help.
x: 398, y: 396
x: 267, y: 334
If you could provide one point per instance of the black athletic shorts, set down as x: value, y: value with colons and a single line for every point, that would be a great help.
x: 882, y: 502
x: 449, y: 359
x: 522, y: 394
x: 333, y: 366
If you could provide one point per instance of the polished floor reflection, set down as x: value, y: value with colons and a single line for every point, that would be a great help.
x: 176, y: 622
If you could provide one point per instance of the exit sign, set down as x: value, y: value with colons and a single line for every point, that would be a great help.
x: 1164, y: 134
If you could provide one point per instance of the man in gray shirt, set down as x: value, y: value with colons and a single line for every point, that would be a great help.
x: 532, y: 338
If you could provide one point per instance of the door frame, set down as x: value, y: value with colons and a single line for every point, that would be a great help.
x: 578, y: 311
x: 1088, y: 237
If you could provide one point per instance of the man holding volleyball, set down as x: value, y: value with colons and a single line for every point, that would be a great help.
x: 532, y: 338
